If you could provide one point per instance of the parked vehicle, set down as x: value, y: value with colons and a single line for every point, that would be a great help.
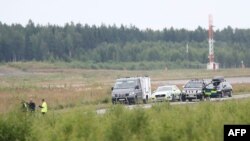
x: 193, y: 89
x: 166, y: 93
x: 218, y: 87
x: 131, y: 90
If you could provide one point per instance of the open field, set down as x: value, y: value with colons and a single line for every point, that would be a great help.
x: 73, y: 96
x: 65, y: 87
x: 37, y: 74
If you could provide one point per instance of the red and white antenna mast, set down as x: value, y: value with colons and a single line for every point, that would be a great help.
x: 211, y: 64
x: 210, y: 39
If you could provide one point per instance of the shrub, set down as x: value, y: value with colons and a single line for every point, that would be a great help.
x: 15, y: 126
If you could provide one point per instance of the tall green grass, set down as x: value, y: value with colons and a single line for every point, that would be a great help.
x: 201, y: 121
x: 16, y: 126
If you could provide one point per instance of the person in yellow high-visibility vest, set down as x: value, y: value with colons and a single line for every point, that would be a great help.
x: 43, y: 107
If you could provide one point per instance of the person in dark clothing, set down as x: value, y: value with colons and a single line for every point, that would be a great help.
x: 32, y: 106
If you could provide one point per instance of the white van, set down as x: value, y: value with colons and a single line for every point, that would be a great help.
x: 131, y: 90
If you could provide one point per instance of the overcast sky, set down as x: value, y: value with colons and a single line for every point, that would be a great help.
x: 154, y: 14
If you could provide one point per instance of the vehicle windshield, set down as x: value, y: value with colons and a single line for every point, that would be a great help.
x: 194, y: 85
x: 164, y: 89
x: 210, y: 86
x: 125, y: 84
x: 216, y: 83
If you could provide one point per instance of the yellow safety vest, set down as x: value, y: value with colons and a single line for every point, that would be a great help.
x: 44, y: 107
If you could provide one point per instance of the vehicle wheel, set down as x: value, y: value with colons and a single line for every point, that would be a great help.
x: 202, y: 97
x: 180, y: 99
x: 208, y: 98
x: 136, y: 101
x: 183, y: 98
x: 173, y: 98
x: 145, y: 100
x: 230, y: 93
x: 222, y: 94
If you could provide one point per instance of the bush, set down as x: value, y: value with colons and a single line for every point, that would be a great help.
x: 16, y: 126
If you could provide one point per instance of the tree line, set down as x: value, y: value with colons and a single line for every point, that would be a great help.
x: 121, y: 44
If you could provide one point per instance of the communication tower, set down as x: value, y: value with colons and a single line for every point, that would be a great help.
x: 211, y: 64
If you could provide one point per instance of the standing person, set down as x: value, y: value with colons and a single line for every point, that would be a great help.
x: 32, y: 106
x: 43, y: 107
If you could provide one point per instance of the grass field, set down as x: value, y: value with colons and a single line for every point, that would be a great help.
x: 65, y: 87
x: 73, y: 95
x: 202, y: 121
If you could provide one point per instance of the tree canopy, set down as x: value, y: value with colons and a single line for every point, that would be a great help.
x: 107, y: 43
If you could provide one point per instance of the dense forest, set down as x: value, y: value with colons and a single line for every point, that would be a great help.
x: 110, y: 43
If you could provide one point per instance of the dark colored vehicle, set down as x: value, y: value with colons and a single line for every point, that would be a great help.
x: 193, y: 89
x: 218, y: 87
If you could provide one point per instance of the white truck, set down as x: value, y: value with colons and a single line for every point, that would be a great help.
x: 131, y: 90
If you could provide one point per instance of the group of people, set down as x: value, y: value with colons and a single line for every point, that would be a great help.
x: 31, y: 106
